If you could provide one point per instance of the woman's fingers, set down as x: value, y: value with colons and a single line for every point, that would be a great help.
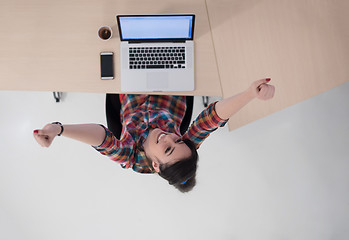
x: 266, y: 92
x: 38, y: 138
x: 46, y: 135
x: 258, y: 83
x: 257, y: 86
x: 41, y: 138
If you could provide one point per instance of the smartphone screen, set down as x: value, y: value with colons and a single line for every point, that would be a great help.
x: 107, y: 65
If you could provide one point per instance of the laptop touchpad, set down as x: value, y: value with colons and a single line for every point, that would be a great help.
x: 157, y: 80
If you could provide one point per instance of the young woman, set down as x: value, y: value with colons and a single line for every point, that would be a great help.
x: 150, y: 141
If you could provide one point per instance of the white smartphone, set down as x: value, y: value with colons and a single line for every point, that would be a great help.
x: 107, y: 65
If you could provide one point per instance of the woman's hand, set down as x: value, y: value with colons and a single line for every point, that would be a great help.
x: 259, y: 89
x: 262, y: 90
x: 46, y: 135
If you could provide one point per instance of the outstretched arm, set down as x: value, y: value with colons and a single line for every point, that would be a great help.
x: 92, y: 134
x: 258, y: 89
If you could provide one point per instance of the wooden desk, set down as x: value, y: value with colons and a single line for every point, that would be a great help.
x: 302, y: 45
x: 53, y: 45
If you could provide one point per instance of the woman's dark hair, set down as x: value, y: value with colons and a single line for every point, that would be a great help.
x: 182, y: 173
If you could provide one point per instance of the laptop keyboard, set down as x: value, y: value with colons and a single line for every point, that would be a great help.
x: 156, y: 57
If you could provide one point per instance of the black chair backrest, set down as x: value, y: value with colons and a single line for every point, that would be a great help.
x: 113, y: 106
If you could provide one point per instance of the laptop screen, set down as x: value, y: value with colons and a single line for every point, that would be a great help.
x: 156, y: 27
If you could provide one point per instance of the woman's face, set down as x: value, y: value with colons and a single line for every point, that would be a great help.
x: 164, y: 148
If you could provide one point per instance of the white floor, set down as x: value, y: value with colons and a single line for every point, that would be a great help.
x: 282, y: 177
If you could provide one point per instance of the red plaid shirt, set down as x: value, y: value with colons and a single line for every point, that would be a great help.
x: 140, y: 113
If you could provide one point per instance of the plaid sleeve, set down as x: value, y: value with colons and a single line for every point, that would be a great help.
x: 207, y: 122
x: 116, y: 150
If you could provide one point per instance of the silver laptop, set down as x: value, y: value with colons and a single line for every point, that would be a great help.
x: 157, y: 52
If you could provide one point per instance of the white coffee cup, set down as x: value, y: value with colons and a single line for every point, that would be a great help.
x: 105, y: 33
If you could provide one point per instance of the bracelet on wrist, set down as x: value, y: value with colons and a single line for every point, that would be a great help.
x: 62, y: 129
